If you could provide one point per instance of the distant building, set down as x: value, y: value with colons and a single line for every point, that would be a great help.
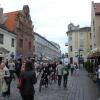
x: 78, y: 42
x: 44, y: 49
x: 20, y: 23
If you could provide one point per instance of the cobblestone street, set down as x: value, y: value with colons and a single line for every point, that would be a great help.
x: 79, y: 88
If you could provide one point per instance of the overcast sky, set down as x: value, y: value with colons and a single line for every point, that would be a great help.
x: 51, y: 17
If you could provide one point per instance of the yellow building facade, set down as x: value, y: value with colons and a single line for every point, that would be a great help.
x: 78, y: 42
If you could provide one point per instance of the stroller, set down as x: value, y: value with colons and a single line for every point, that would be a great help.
x: 43, y: 81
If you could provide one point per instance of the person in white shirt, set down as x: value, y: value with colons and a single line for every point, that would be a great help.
x: 11, y: 66
x: 59, y: 73
x: 4, y: 73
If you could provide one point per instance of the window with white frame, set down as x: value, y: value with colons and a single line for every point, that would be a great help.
x: 81, y: 40
x: 1, y: 38
x: 12, y: 42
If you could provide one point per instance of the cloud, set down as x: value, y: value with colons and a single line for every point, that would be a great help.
x: 51, y: 17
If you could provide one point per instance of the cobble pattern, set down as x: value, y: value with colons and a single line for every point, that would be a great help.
x: 79, y: 87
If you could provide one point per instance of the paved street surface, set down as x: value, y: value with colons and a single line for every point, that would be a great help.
x: 79, y: 88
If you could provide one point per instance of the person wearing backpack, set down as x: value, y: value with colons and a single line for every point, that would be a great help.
x: 65, y: 73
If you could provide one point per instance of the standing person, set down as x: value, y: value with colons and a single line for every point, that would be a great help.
x: 59, y: 73
x: 11, y: 66
x: 69, y: 65
x: 65, y: 76
x: 72, y: 69
x: 8, y: 79
x: 5, y: 80
x: 98, y: 72
x: 1, y: 76
x: 18, y: 67
x: 76, y: 69
x: 28, y: 79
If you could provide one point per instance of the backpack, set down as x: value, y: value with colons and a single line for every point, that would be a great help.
x: 65, y: 71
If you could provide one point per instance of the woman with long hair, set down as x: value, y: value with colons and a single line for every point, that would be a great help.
x: 28, y: 79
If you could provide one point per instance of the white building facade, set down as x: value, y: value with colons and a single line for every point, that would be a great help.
x: 45, y: 49
x: 7, y: 43
x: 7, y: 40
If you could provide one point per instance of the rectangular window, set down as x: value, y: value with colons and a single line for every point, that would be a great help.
x: 70, y: 48
x: 71, y: 60
x: 1, y: 38
x: 91, y: 47
x: 90, y: 35
x: 81, y: 41
x: 21, y: 43
x: 81, y: 35
x: 29, y: 45
x: 12, y: 42
x: 70, y: 40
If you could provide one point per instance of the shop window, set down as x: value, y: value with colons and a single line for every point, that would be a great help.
x: 21, y: 43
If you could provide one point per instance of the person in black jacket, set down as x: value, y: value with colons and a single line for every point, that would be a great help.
x: 28, y: 80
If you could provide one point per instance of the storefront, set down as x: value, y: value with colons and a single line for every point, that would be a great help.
x: 94, y: 58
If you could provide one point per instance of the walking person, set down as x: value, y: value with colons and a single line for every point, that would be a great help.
x: 59, y: 73
x: 5, y: 76
x: 28, y: 79
x: 2, y: 73
x: 18, y: 65
x: 98, y: 73
x: 72, y: 69
x: 69, y: 66
x: 65, y: 76
x: 76, y: 69
x: 11, y: 66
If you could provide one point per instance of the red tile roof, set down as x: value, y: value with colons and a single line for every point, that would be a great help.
x: 97, y: 8
x: 10, y: 20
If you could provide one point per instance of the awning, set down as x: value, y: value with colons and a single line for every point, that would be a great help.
x: 3, y: 50
x: 94, y: 53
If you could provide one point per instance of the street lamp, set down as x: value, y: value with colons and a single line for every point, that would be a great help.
x: 79, y: 56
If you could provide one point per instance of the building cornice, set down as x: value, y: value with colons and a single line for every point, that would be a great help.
x: 45, y: 39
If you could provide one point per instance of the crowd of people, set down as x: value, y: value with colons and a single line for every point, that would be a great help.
x: 25, y: 72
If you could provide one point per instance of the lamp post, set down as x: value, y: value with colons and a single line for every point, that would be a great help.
x: 79, y: 59
x: 80, y: 56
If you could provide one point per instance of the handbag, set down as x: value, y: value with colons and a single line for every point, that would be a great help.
x: 20, y: 83
x: 64, y: 72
